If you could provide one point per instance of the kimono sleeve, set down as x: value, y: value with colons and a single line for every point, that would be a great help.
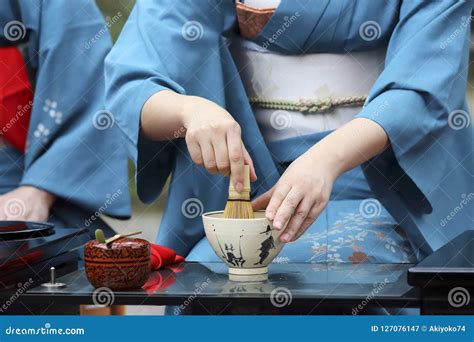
x: 415, y: 98
x: 73, y: 150
x: 164, y: 45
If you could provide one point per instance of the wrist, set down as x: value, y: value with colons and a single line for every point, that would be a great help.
x: 331, y: 161
x: 41, y: 195
x: 186, y: 109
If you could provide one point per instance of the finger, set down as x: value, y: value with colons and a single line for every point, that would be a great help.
x: 236, y: 157
x: 194, y: 150
x: 279, y: 194
x: 287, y: 208
x: 261, y: 201
x: 208, y: 155
x: 296, y: 221
x: 248, y: 161
x: 221, y: 154
x: 310, y: 219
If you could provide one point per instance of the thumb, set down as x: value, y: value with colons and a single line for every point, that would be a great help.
x: 261, y: 201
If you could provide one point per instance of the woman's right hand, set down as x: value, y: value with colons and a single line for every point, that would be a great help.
x: 211, y: 133
x: 214, y: 139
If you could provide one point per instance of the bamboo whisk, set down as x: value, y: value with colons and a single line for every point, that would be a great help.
x: 238, y: 205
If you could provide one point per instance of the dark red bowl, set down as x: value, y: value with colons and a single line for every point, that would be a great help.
x: 120, y: 265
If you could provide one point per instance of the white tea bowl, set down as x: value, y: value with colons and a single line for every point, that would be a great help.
x: 247, y: 246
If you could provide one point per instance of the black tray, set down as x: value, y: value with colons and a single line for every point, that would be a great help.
x: 18, y: 230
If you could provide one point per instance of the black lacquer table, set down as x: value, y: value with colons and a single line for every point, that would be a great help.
x: 204, y: 288
x: 291, y: 288
x: 446, y: 278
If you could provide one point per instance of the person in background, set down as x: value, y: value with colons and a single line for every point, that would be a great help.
x: 61, y: 158
x: 348, y: 112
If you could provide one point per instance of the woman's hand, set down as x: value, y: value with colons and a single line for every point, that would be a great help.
x: 300, y: 195
x: 303, y: 191
x: 26, y: 203
x: 212, y: 135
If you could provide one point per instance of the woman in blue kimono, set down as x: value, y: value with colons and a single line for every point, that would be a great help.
x: 73, y: 168
x: 365, y: 168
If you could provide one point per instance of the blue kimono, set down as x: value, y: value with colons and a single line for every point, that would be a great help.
x: 419, y: 100
x: 74, y: 149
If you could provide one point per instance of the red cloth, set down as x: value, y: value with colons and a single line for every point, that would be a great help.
x: 162, y: 256
x: 16, y: 96
x: 168, y: 263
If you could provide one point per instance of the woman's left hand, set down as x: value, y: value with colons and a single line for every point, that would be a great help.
x: 299, y: 196
x: 26, y: 203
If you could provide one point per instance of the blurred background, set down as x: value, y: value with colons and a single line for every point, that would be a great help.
x: 147, y: 217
